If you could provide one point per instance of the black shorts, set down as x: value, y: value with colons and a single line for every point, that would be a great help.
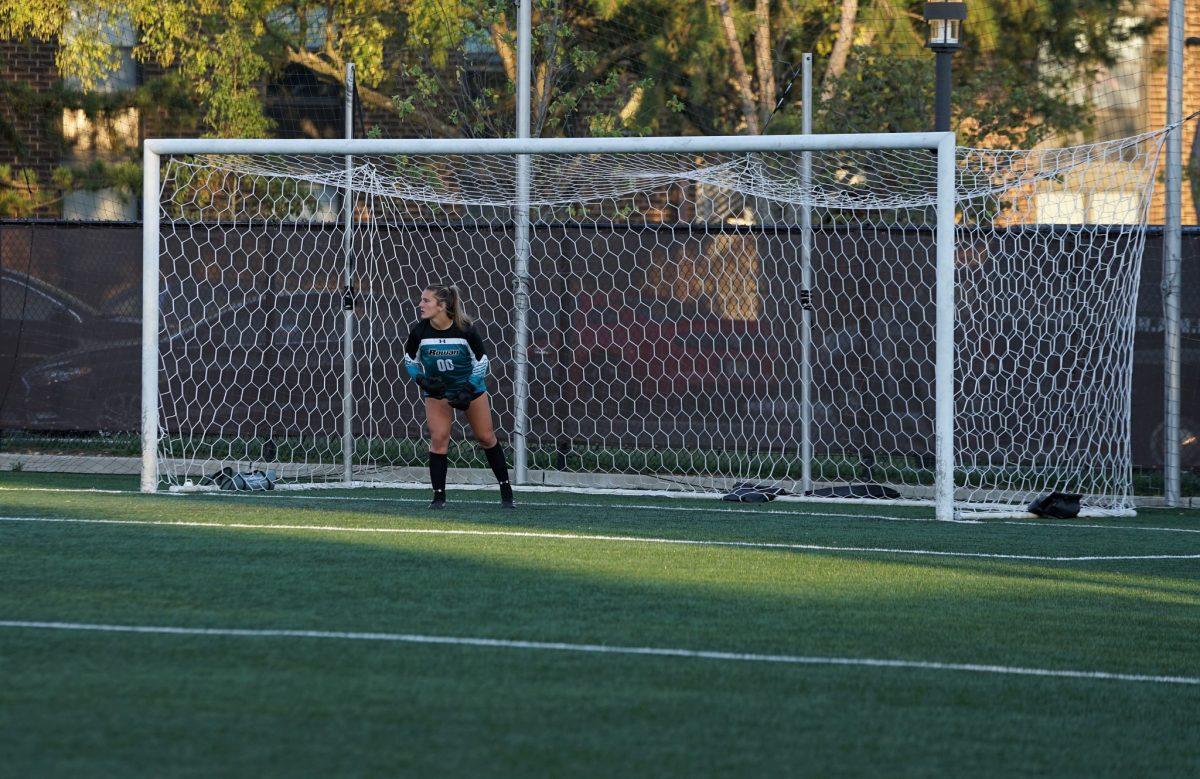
x: 445, y: 395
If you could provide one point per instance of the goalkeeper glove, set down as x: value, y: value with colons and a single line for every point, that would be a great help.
x: 433, y: 386
x: 461, y: 400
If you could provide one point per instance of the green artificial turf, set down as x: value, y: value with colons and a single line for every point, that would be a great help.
x: 83, y: 702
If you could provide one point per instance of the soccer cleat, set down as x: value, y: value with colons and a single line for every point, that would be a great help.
x: 506, y: 496
x: 439, y: 500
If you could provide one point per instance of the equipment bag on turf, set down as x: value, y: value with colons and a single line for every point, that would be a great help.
x: 250, y: 481
x: 1057, y: 505
x: 750, y: 492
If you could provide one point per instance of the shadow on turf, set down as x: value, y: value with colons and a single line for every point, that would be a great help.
x: 860, y: 608
x: 702, y: 525
x: 718, y: 524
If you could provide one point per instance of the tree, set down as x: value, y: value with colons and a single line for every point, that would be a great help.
x: 416, y: 59
x: 448, y: 67
x: 586, y: 77
x: 1014, y: 78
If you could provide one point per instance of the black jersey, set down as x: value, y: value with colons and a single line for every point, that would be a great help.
x: 456, y: 355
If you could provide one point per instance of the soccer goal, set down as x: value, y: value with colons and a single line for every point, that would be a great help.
x: 845, y: 317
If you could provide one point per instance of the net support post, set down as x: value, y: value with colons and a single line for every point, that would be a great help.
x: 1172, y: 242
x: 348, y: 287
x: 944, y: 332
x: 521, y: 327
x: 806, y: 313
x: 150, y: 314
x: 521, y: 258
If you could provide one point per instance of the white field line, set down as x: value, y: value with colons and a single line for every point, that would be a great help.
x: 603, y: 538
x: 555, y: 646
x: 283, y: 496
x: 622, y: 506
x: 695, y: 510
x: 1105, y: 527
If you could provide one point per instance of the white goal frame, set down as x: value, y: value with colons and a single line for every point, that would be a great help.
x: 943, y: 144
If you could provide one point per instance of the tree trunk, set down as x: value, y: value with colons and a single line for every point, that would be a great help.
x: 508, y: 55
x: 741, y: 80
x: 763, y: 61
x: 841, y: 48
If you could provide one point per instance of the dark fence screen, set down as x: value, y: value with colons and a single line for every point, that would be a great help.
x: 70, y: 327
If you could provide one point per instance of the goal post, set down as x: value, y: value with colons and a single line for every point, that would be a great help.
x: 649, y: 312
x: 944, y: 326
x: 150, y: 291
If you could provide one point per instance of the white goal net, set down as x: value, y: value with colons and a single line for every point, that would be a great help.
x: 679, y: 321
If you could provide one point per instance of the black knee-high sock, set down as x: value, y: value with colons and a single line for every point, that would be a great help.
x: 495, y: 458
x: 437, y: 473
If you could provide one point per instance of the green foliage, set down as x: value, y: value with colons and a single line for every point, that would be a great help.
x: 605, y: 67
x: 23, y: 195
x: 100, y: 175
x: 995, y: 106
x: 877, y: 93
x: 20, y: 194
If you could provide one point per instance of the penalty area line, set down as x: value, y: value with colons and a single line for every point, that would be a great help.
x: 556, y: 646
x: 603, y: 538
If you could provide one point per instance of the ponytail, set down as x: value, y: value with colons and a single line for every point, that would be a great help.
x: 456, y: 308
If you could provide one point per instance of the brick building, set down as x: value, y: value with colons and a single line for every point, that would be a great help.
x: 1156, y: 105
x: 29, y: 78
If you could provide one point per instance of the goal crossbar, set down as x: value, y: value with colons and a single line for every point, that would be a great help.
x: 487, y: 146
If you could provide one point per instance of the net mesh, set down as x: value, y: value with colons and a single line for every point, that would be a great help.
x: 666, y: 311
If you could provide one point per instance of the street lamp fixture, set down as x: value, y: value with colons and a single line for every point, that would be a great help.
x: 945, y: 18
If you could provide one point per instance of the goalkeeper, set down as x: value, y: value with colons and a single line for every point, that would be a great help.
x: 445, y: 356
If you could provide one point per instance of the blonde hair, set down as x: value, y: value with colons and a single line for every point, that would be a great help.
x: 456, y: 308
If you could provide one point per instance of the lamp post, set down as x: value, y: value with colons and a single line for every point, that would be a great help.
x: 945, y: 18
